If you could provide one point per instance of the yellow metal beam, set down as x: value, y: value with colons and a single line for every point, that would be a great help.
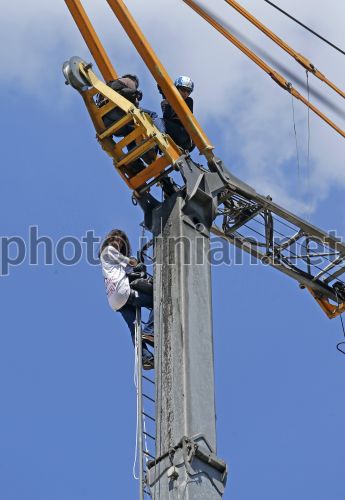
x: 298, y: 57
x: 331, y: 310
x: 150, y: 172
x: 277, y: 77
x: 91, y: 39
x: 117, y: 126
x: 136, y: 153
x: 162, y: 78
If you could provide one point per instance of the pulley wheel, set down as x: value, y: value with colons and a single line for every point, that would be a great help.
x: 71, y: 71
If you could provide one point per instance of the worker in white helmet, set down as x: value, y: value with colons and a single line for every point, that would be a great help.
x: 173, y: 125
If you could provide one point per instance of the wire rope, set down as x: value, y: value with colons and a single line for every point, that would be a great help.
x: 308, y: 148
x: 305, y: 27
x: 308, y: 114
x: 296, y: 141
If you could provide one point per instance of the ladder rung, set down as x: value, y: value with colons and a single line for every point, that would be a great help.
x: 90, y: 93
x: 117, y: 126
x: 148, y: 454
x: 103, y: 110
x: 149, y: 435
x: 107, y: 107
x: 148, y: 379
x: 148, y: 416
x: 152, y: 170
x: 148, y: 397
x: 137, y: 132
x: 137, y: 152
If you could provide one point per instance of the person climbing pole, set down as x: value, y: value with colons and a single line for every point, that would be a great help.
x: 127, y: 287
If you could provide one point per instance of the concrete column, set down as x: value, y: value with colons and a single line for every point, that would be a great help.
x: 185, y: 402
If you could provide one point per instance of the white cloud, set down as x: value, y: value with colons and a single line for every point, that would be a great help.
x: 253, y: 114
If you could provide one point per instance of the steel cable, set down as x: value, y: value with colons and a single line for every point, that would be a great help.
x: 296, y: 141
x: 305, y: 27
x: 308, y: 147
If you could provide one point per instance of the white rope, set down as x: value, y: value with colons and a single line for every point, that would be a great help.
x: 135, y: 380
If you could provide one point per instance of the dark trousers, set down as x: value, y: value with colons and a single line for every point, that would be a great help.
x: 128, y: 311
x: 179, y: 135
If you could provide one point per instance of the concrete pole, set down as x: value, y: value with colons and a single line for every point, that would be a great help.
x: 139, y: 355
x: 186, y: 465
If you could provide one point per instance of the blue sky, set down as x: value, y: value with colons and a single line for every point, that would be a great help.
x: 66, y: 363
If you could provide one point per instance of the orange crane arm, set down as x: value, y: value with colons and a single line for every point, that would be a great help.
x: 298, y: 57
x: 162, y: 78
x: 91, y: 39
x: 277, y: 77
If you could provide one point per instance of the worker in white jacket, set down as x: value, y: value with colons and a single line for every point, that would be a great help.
x: 116, y: 266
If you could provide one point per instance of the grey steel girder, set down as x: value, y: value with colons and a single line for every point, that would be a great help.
x: 262, y: 228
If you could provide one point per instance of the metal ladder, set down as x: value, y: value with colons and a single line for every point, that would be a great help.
x: 145, y: 387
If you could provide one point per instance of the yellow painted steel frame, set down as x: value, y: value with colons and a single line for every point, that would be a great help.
x: 277, y: 77
x: 91, y: 39
x: 144, y: 133
x: 162, y: 78
x: 159, y: 73
x: 331, y: 310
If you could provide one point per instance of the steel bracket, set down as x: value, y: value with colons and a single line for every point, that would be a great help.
x: 193, y: 456
x: 201, y: 192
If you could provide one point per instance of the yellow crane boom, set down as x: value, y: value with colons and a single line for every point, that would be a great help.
x: 91, y: 39
x: 151, y: 60
x: 277, y: 77
x: 241, y: 203
x: 302, y: 60
x: 162, y: 78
